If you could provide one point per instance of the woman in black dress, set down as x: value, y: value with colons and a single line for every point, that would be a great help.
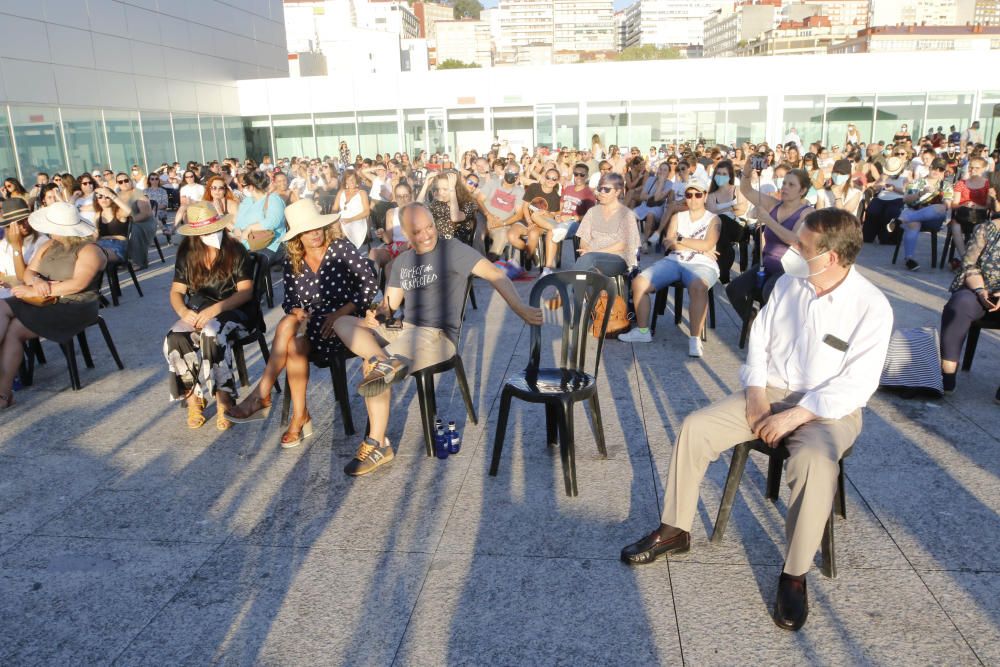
x: 211, y: 294
x: 326, y: 278
x: 69, y: 267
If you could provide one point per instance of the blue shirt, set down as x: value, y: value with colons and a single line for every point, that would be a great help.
x: 252, y: 213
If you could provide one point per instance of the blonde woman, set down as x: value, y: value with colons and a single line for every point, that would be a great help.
x: 326, y: 278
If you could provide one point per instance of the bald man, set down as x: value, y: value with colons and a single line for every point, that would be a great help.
x: 432, y: 277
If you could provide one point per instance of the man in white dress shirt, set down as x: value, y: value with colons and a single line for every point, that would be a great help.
x: 815, y: 356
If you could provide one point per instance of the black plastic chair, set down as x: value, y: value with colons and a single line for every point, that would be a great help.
x: 756, y: 303
x: 934, y: 242
x: 69, y: 351
x: 256, y: 327
x: 776, y: 460
x: 560, y: 388
x: 425, y: 383
x: 660, y: 306
x: 111, y: 271
x: 988, y: 321
x: 33, y: 352
x: 156, y: 222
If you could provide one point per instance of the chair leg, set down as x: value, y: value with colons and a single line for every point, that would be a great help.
x: 774, y: 470
x: 88, y: 361
x: 840, y: 502
x: 899, y: 241
x: 69, y: 351
x: 426, y: 413
x: 934, y: 253
x: 498, y: 438
x: 971, y: 341
x: 135, y: 281
x: 268, y: 287
x: 463, y: 387
x: 567, y: 447
x: 36, y: 347
x: 736, y: 467
x: 338, y: 375
x: 711, y: 307
x: 114, y: 286
x: 745, y: 331
x: 829, y: 564
x: 159, y: 250
x: 659, y: 307
x: 595, y: 411
x: 472, y: 298
x: 241, y: 364
x: 286, y: 402
x: 678, y: 304
x: 109, y: 341
x: 946, y: 249
x: 551, y: 425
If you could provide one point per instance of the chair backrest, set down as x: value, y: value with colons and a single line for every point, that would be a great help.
x: 579, y: 292
x: 259, y: 265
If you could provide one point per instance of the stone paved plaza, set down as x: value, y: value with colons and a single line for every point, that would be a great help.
x: 127, y: 539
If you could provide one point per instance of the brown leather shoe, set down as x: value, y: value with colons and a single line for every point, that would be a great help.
x: 654, y: 545
x: 792, y: 606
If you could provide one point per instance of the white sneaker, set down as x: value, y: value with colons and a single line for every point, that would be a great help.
x: 636, y: 336
x: 559, y: 233
x: 654, y: 238
x: 695, y: 348
x: 546, y: 271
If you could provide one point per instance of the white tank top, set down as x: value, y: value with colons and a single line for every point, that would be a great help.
x: 694, y: 229
x: 356, y: 231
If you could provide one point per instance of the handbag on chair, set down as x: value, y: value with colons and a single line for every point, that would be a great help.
x: 618, y: 323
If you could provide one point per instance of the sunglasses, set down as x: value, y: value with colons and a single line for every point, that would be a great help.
x: 81, y: 183
x: 122, y: 180
x: 218, y: 188
x: 473, y: 183
x: 549, y: 178
x: 694, y: 195
x: 604, y: 189
x: 580, y: 174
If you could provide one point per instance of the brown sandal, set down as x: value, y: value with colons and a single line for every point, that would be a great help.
x: 196, y: 414
x: 240, y: 414
x: 292, y: 438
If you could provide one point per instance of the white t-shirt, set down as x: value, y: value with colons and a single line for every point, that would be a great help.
x: 694, y: 229
x: 28, y: 248
x: 193, y: 191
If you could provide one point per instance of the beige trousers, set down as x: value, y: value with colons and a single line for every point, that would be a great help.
x: 498, y: 239
x: 810, y: 471
x: 419, y: 347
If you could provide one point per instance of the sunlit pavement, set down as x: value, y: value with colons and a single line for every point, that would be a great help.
x: 126, y: 538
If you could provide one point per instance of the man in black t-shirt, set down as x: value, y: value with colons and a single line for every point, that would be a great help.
x: 432, y: 276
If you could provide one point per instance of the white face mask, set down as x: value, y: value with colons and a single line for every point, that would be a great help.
x: 840, y: 179
x: 779, y: 181
x: 797, y: 266
x: 213, y: 240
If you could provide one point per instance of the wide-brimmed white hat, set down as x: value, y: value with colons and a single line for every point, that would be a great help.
x: 61, y: 219
x: 303, y: 217
x: 202, y: 218
x: 894, y: 165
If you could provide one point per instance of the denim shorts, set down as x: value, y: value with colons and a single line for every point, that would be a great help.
x: 668, y: 271
x: 116, y: 246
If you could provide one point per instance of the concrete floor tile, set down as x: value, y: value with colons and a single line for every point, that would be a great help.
x: 972, y: 600
x: 557, y: 611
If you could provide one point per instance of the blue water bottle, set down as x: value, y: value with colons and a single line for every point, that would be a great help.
x: 441, y: 444
x: 761, y: 277
x: 454, y: 439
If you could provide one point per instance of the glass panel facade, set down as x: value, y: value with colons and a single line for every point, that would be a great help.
x: 567, y: 125
x: 211, y: 137
x: 124, y: 143
x: 701, y: 120
x: 414, y: 131
x: 333, y: 128
x: 435, y: 130
x: 158, y: 139
x: 610, y: 121
x: 8, y: 162
x: 516, y: 126
x: 235, y: 143
x: 652, y: 123
x: 188, y: 138
x: 746, y: 120
x: 293, y: 136
x: 949, y: 109
x: 39, y: 141
x: 466, y: 131
x: 85, y: 139
x: 805, y: 114
x: 989, y: 117
x: 257, y: 137
x: 844, y: 111
x: 378, y: 132
x: 544, y: 129
x: 895, y: 111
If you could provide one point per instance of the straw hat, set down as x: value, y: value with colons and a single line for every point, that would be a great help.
x: 303, y: 217
x: 61, y: 219
x: 894, y: 165
x: 15, y: 209
x: 202, y: 218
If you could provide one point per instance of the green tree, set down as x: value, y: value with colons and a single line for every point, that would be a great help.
x: 649, y: 52
x: 451, y: 63
x: 467, y: 9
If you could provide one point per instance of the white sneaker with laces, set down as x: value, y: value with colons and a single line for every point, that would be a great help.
x: 654, y: 238
x: 637, y: 336
x: 695, y: 348
x: 546, y: 271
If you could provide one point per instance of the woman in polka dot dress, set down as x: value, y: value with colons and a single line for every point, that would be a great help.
x: 326, y: 278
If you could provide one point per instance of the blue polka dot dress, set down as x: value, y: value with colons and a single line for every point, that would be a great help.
x: 344, y: 276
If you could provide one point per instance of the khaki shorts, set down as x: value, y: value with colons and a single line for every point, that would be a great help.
x: 420, y: 347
